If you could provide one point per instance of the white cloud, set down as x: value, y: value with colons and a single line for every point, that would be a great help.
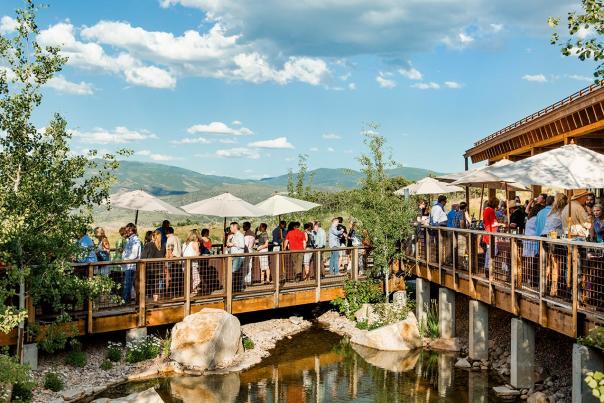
x: 313, y: 149
x: 352, y: 86
x: 465, y: 39
x: 60, y: 84
x: 385, y: 82
x: 256, y: 68
x: 411, y: 73
x: 236, y: 122
x: 278, y: 143
x: 331, y: 136
x: 219, y: 128
x: 192, y: 140
x: 238, y: 152
x: 119, y: 135
x: 496, y: 27
x: 155, y: 157
x: 539, y: 78
x: 453, y: 84
x: 330, y: 149
x: 8, y: 25
x: 150, y: 76
x: 583, y: 32
x: 426, y: 86
x: 227, y: 141
x: 580, y: 77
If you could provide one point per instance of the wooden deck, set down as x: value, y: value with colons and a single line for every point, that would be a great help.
x: 560, y: 288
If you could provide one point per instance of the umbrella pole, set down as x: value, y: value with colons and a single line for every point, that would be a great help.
x: 480, y: 205
x: 507, y: 206
x: 224, y: 239
x: 136, y: 218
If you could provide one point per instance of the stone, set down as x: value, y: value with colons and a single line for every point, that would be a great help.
x: 147, y: 396
x: 296, y: 320
x: 476, y: 364
x: 505, y: 392
x: 399, y: 298
x: 393, y: 361
x: 399, y: 336
x: 72, y: 394
x: 206, y: 339
x: 463, y: 363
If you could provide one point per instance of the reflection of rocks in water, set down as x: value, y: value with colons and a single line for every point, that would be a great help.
x: 207, y: 389
x: 395, y: 361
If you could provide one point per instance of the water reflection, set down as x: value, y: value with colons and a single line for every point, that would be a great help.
x: 318, y: 366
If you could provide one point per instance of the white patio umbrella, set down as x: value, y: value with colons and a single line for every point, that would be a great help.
x: 485, y: 177
x: 224, y: 205
x: 140, y: 200
x: 428, y: 186
x: 567, y: 167
x: 277, y: 205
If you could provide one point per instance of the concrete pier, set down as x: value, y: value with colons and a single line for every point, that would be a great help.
x: 446, y: 313
x: 422, y: 298
x: 479, y: 331
x: 522, y: 366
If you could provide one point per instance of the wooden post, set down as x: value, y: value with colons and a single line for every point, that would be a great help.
x: 439, y: 250
x: 492, y: 244
x: 573, y: 265
x: 187, y: 285
x: 141, y: 294
x: 514, y: 273
x: 453, y: 236
x: 89, y: 303
x: 229, y: 284
x: 31, y: 313
x: 471, y: 249
x: 542, y: 305
x: 318, y: 272
x: 354, y: 256
x: 417, y: 243
x: 277, y: 279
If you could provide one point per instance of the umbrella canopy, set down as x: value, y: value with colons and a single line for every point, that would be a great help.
x: 484, y: 176
x: 142, y: 201
x: 279, y: 204
x: 224, y: 205
x: 428, y: 186
x: 567, y: 167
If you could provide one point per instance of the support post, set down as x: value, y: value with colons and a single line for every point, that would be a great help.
x: 479, y: 331
x: 89, y: 303
x: 187, y: 285
x: 523, y: 354
x: 446, y: 313
x: 428, y: 257
x: 542, y: 304
x: 491, y: 254
x: 514, y: 274
x: 453, y: 236
x: 277, y: 279
x: 439, y: 251
x: 141, y: 294
x: 422, y: 298
x: 354, y: 256
x: 318, y: 264
x: 574, y: 266
x: 229, y: 284
x: 471, y: 250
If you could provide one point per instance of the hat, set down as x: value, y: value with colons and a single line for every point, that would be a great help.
x: 578, y: 193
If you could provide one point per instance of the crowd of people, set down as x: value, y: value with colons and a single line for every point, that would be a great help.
x: 162, y: 243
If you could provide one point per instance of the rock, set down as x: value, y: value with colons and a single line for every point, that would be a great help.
x: 484, y: 368
x: 399, y: 298
x: 397, y: 361
x: 367, y: 314
x: 206, y: 339
x: 149, y: 373
x: 296, y: 320
x: 147, y: 396
x: 505, y: 392
x: 214, y: 389
x: 101, y: 400
x: 443, y: 344
x: 399, y: 336
x: 537, y: 397
x: 463, y: 363
x: 476, y: 364
x: 72, y: 394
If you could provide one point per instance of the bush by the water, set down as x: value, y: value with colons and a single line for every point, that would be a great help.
x: 385, y: 314
x: 114, y: 351
x: 248, y: 344
x: 76, y: 359
x: 357, y: 293
x: 142, y: 349
x: 13, y: 373
x: 429, y: 326
x: 53, y: 381
x: 595, y: 338
x: 23, y: 391
x: 106, y: 365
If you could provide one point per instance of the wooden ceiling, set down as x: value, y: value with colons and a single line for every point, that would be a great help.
x: 579, y: 117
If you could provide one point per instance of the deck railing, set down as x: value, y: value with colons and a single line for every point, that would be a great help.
x: 561, y: 272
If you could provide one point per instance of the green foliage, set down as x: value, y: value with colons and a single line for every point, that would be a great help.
x: 429, y: 326
x: 386, y: 218
x: 595, y: 381
x: 106, y: 365
x: 114, y: 351
x: 11, y: 373
x: 357, y: 293
x: 386, y: 314
x: 57, y: 334
x: 23, y: 391
x: 142, y: 349
x: 53, y: 381
x: 46, y: 192
x: 76, y: 359
x: 595, y: 338
x: 248, y: 344
x: 363, y: 325
x: 589, y: 20
x: 166, y: 345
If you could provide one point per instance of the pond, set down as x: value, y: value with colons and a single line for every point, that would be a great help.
x: 320, y: 366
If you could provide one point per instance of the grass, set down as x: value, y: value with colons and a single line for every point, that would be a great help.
x: 53, y: 381
x: 76, y: 359
x: 429, y: 326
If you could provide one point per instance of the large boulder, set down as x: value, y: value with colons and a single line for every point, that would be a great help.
x: 207, y: 339
x: 399, y: 336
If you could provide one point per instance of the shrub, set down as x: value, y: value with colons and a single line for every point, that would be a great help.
x: 53, y: 381
x: 142, y: 349
x: 106, y: 365
x: 22, y: 391
x: 595, y: 338
x: 429, y: 326
x: 363, y: 325
x: 357, y: 293
x: 12, y: 373
x: 248, y: 344
x: 166, y: 345
x: 76, y: 359
x: 114, y: 351
x: 57, y: 334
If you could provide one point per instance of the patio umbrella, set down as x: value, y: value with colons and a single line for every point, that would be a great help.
x: 277, y: 205
x: 485, y: 177
x: 224, y: 205
x: 428, y: 186
x: 140, y: 200
x: 567, y: 167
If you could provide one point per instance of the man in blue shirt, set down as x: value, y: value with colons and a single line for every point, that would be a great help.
x: 542, y: 215
x: 279, y: 235
x: 87, y: 251
x: 164, y: 235
x: 335, y: 234
x: 451, y: 215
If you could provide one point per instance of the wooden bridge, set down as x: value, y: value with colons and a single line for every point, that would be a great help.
x: 556, y: 283
x: 166, y: 290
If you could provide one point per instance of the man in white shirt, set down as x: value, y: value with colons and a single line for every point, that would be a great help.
x: 249, y: 238
x: 438, y: 215
x: 132, y: 251
x: 236, y: 245
x: 171, y: 269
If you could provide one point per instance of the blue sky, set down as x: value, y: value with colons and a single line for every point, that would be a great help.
x: 241, y: 88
